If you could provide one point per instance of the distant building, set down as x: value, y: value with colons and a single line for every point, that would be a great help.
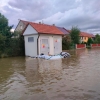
x: 85, y: 36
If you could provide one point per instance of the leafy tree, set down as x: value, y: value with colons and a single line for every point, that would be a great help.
x: 97, y: 38
x: 75, y: 32
x: 66, y: 42
x: 90, y: 41
x: 4, y: 27
x: 10, y: 46
x: 2, y: 42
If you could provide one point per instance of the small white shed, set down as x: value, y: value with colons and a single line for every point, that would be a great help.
x: 42, y: 38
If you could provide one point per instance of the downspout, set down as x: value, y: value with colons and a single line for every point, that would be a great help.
x: 38, y: 44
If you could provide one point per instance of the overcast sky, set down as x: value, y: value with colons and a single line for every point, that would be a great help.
x: 85, y: 14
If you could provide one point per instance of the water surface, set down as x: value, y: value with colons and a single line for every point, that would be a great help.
x: 74, y: 78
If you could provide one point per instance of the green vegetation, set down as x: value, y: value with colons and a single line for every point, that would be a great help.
x: 97, y: 38
x: 89, y: 42
x: 75, y: 32
x: 9, y: 46
x: 66, y: 42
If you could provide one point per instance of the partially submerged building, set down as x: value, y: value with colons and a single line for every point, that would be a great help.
x: 41, y: 38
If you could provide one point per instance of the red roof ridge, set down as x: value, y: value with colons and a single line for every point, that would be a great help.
x: 85, y: 34
x: 44, y: 28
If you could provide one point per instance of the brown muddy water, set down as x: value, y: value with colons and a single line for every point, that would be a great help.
x: 74, y: 78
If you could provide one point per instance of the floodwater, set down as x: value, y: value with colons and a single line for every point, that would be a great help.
x: 74, y: 78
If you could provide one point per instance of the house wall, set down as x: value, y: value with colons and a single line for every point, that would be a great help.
x: 20, y: 26
x: 51, y: 43
x: 58, y: 44
x: 83, y: 39
x: 30, y: 47
x: 30, y: 30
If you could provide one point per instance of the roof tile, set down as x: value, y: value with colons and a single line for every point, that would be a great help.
x: 46, y: 29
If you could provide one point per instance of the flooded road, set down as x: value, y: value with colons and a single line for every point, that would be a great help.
x: 74, y: 78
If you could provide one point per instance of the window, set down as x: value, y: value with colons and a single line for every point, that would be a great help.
x: 45, y: 41
x: 30, y: 39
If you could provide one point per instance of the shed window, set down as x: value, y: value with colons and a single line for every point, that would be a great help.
x: 45, y: 41
x: 30, y: 39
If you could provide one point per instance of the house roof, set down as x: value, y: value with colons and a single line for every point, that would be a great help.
x: 25, y: 22
x: 62, y: 29
x: 45, y: 29
x: 84, y: 34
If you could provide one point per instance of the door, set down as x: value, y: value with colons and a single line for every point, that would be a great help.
x: 57, y: 45
x: 44, y: 48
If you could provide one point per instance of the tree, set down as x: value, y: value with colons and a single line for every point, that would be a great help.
x: 66, y: 42
x: 4, y: 27
x: 75, y: 32
x: 97, y: 38
x: 2, y: 42
x: 90, y: 41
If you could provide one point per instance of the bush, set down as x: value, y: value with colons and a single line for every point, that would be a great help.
x: 12, y: 47
x: 90, y: 41
x: 66, y: 42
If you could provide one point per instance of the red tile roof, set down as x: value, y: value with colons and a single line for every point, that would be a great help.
x: 46, y: 29
x: 84, y: 34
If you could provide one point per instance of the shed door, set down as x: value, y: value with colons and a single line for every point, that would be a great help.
x: 44, y: 48
x: 57, y: 45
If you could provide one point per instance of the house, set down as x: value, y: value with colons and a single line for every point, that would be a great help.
x: 85, y: 36
x: 65, y: 31
x: 41, y: 38
x: 21, y: 25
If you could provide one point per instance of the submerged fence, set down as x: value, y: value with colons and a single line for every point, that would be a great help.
x: 95, y: 45
x: 82, y: 46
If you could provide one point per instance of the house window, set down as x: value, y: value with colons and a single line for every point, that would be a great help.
x: 30, y: 39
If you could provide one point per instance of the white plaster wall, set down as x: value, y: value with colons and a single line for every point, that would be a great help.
x: 51, y: 45
x: 51, y: 42
x: 31, y: 47
x: 30, y: 30
x: 59, y: 37
x: 41, y: 36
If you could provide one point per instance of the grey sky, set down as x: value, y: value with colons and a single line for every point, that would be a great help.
x: 85, y: 14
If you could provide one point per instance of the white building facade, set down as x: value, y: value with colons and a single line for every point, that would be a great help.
x: 37, y: 43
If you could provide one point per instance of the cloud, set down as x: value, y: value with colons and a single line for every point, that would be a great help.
x: 82, y: 13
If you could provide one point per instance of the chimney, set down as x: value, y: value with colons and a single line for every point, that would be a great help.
x: 53, y: 24
x: 39, y: 22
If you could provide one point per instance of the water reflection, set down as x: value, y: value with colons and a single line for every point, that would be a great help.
x: 39, y: 69
x: 74, y: 78
x: 5, y: 69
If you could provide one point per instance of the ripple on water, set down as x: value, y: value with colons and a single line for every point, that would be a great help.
x: 74, y: 78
